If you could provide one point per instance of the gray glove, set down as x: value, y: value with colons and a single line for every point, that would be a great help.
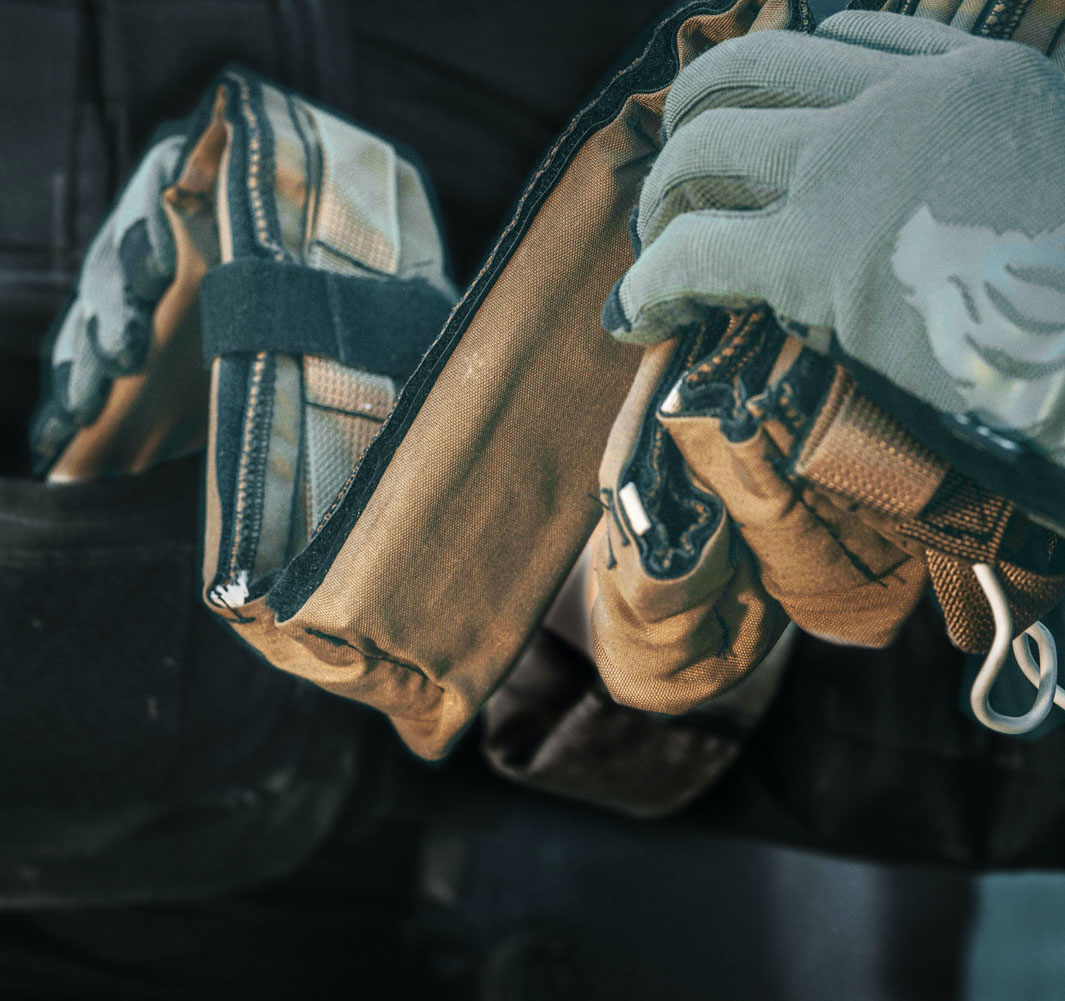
x: 891, y: 179
x: 107, y: 329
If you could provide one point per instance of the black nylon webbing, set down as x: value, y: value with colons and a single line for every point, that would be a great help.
x: 378, y: 324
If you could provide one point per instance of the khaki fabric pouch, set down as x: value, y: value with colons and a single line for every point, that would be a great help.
x: 749, y: 482
x: 425, y: 573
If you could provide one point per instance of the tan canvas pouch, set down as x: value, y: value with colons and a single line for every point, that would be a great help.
x: 681, y: 614
x: 424, y: 575
x: 712, y: 545
x: 861, y: 456
x: 736, y: 417
x: 329, y: 286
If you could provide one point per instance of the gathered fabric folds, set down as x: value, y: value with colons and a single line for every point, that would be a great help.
x: 750, y: 483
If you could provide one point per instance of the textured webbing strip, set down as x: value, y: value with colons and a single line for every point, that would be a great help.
x: 856, y: 449
x: 969, y: 621
x: 962, y: 520
x: 380, y: 325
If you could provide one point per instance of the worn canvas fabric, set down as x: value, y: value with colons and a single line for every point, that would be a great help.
x: 427, y: 570
x: 310, y: 249
x: 318, y: 292
x: 750, y: 483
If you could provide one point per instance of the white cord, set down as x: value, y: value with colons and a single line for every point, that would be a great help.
x: 1045, y: 643
x: 1045, y: 677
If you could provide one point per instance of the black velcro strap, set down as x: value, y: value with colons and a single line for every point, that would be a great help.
x: 381, y: 325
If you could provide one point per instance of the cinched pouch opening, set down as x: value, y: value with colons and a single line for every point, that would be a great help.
x: 682, y: 516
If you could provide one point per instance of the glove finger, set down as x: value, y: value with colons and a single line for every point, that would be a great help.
x: 728, y: 160
x: 967, y: 14
x: 896, y: 33
x: 80, y: 379
x: 133, y: 261
x: 706, y: 259
x: 772, y: 69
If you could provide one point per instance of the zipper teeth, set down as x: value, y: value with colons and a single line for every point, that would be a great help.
x: 1003, y: 18
x: 251, y: 447
x: 738, y: 345
x: 255, y: 143
x: 253, y: 451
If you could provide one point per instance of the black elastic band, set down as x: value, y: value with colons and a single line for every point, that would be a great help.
x: 379, y: 324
